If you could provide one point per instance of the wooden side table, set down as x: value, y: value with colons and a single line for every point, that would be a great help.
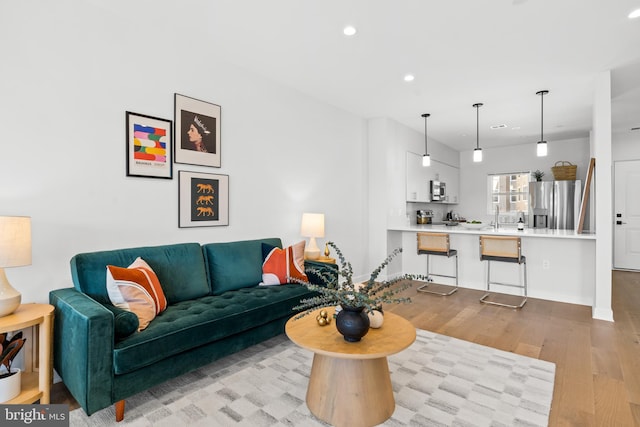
x: 350, y: 384
x: 325, y: 259
x: 36, y: 381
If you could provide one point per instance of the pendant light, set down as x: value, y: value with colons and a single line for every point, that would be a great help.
x: 541, y: 147
x: 426, y: 159
x: 477, y: 152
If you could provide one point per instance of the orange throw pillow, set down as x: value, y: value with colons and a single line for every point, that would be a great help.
x: 280, y: 264
x: 136, y: 289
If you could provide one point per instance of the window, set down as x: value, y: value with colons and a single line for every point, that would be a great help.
x: 508, y: 192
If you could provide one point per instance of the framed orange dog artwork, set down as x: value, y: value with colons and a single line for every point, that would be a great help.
x: 203, y: 199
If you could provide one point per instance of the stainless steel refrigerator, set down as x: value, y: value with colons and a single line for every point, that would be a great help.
x: 554, y: 204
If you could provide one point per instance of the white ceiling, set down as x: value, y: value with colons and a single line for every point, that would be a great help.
x: 498, y: 52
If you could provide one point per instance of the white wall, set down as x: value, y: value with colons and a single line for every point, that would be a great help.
x: 515, y: 158
x: 70, y: 71
x: 388, y: 143
x: 626, y: 145
x: 601, y: 147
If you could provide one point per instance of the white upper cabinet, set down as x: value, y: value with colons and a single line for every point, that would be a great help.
x: 451, y: 177
x: 419, y: 179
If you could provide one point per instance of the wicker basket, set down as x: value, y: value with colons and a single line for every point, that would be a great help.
x: 564, y: 172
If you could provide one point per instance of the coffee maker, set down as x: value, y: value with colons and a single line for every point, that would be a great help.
x: 424, y: 216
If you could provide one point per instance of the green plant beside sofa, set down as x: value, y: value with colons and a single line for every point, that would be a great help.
x: 215, y: 308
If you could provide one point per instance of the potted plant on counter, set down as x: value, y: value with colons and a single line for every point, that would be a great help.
x: 538, y: 174
x: 10, y: 385
x: 355, y: 300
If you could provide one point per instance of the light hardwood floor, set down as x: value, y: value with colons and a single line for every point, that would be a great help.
x: 597, y: 362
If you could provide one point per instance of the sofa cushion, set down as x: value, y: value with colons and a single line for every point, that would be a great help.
x: 235, y: 265
x: 189, y: 324
x: 281, y: 264
x: 180, y: 269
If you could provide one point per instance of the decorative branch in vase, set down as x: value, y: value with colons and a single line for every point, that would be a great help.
x: 338, y: 289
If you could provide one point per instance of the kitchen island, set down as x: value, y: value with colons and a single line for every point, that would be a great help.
x: 560, y: 263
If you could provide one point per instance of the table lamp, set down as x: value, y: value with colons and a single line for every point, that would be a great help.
x: 15, y: 251
x: 312, y: 227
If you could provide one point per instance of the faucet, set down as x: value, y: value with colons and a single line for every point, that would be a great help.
x: 496, y: 223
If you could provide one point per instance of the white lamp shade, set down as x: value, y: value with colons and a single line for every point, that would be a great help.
x: 541, y: 148
x: 312, y: 225
x: 477, y: 154
x: 15, y: 241
x: 426, y: 160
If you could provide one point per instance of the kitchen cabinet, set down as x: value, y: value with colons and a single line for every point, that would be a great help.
x: 419, y: 179
x: 450, y: 175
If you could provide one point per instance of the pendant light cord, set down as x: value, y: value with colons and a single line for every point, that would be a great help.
x: 426, y: 151
x: 542, y: 116
x: 542, y: 93
x: 477, y: 126
x: 477, y: 107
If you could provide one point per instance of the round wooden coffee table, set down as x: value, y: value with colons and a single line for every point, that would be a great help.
x: 350, y: 383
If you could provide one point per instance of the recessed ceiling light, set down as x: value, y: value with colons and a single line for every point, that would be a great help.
x: 634, y: 14
x: 349, y: 30
x: 409, y: 78
x: 502, y: 126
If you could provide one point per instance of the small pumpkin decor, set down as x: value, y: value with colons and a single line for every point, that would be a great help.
x: 358, y: 304
x: 10, y: 385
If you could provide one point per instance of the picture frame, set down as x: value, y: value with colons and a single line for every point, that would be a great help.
x: 149, y: 146
x: 203, y: 199
x: 197, y: 131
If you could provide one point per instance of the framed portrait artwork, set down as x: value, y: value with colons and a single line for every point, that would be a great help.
x: 149, y: 148
x: 197, y: 131
x: 203, y: 199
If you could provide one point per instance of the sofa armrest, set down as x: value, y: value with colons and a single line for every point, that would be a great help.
x: 315, y: 269
x: 83, y: 347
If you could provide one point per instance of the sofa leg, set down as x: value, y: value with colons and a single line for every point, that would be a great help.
x: 119, y: 410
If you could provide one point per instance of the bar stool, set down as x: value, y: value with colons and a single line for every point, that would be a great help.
x: 436, y: 244
x: 503, y: 249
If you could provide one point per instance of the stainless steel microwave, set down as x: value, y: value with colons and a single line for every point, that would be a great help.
x: 438, y: 191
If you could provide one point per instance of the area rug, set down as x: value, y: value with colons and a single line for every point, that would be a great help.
x: 437, y: 381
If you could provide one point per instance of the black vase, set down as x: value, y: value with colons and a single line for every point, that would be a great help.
x: 352, y: 323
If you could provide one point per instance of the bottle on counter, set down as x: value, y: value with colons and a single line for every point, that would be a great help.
x: 520, y: 224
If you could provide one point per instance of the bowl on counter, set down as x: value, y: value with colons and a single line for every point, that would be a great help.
x: 473, y: 226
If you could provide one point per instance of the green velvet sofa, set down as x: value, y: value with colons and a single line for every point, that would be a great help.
x: 215, y: 308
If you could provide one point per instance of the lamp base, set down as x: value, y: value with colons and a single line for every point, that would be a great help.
x: 9, y: 297
x: 312, y: 251
x: 311, y: 255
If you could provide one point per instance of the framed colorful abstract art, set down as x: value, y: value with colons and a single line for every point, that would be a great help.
x: 203, y: 199
x: 149, y: 147
x: 197, y: 131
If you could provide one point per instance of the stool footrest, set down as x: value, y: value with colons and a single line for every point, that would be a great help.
x: 424, y: 289
x: 442, y: 275
x: 513, y: 285
x: 484, y: 301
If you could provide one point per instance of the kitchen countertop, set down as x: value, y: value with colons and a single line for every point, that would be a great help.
x: 502, y: 231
